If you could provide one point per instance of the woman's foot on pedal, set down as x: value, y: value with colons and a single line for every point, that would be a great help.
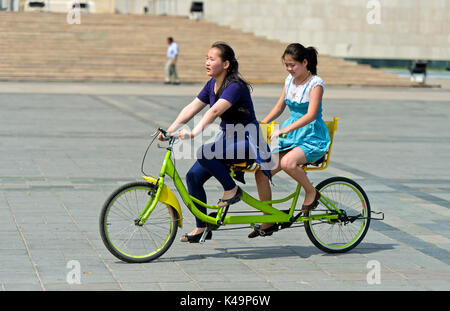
x: 230, y: 197
x: 267, y: 230
x: 196, y: 235
x: 307, y: 207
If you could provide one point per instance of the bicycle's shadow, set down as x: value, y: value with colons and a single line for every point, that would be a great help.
x: 270, y: 252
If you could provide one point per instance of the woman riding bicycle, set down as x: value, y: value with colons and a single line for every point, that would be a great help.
x: 228, y: 97
x: 306, y: 135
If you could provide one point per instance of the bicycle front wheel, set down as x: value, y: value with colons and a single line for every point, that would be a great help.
x: 124, y: 237
x: 346, y: 232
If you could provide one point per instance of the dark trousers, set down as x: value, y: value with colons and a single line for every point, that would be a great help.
x: 205, y: 168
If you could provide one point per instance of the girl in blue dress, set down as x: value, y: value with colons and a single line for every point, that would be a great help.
x: 303, y: 137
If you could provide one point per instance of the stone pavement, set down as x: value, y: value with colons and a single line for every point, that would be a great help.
x: 66, y: 147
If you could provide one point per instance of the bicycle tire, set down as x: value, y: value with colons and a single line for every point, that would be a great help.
x: 120, y: 211
x: 341, y: 236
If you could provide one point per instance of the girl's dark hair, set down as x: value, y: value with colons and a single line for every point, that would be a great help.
x: 299, y: 53
x: 227, y: 54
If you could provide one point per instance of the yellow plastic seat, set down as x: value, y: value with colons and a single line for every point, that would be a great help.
x: 251, y: 166
x: 267, y: 129
x: 322, y: 163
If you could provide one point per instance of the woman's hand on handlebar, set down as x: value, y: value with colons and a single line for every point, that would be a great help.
x: 183, y: 134
x: 164, y: 135
x: 161, y: 137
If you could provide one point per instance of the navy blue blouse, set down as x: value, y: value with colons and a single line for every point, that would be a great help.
x: 238, y: 94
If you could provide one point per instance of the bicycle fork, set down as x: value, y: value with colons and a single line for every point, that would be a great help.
x: 154, y: 195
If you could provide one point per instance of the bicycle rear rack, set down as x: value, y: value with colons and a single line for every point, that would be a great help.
x: 353, y: 218
x: 377, y: 213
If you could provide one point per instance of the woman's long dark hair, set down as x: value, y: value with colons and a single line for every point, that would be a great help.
x: 299, y: 53
x: 227, y: 54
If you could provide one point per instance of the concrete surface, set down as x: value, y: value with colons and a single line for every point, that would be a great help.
x: 65, y: 147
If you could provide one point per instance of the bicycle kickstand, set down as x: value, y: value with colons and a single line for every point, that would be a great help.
x: 205, y: 233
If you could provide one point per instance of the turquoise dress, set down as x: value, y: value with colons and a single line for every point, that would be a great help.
x: 312, y: 138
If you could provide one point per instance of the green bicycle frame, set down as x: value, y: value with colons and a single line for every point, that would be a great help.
x: 274, y: 215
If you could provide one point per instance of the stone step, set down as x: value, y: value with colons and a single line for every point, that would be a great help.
x: 42, y: 46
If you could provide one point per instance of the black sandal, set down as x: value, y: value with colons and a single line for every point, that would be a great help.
x: 235, y: 199
x: 195, y: 238
x: 266, y: 232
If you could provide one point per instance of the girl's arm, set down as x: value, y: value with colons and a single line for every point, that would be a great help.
x: 314, y: 103
x: 186, y: 114
x: 215, y: 111
x: 277, y: 110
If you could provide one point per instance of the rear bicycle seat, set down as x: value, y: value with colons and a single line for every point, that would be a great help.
x: 250, y: 166
x: 323, y: 162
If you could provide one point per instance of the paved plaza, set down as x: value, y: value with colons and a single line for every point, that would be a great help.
x: 66, y: 146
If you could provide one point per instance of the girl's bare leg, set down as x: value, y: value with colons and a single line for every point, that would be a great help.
x: 290, y: 163
x: 264, y: 190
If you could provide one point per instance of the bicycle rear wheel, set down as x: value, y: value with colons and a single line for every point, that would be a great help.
x: 346, y: 232
x: 121, y: 233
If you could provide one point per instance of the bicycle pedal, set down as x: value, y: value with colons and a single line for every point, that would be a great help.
x: 256, y: 227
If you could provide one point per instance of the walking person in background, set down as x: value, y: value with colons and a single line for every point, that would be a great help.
x: 172, y: 57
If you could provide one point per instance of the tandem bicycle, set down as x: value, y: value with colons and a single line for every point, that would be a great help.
x: 139, y: 220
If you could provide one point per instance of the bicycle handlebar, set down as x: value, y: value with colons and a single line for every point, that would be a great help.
x: 166, y: 135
